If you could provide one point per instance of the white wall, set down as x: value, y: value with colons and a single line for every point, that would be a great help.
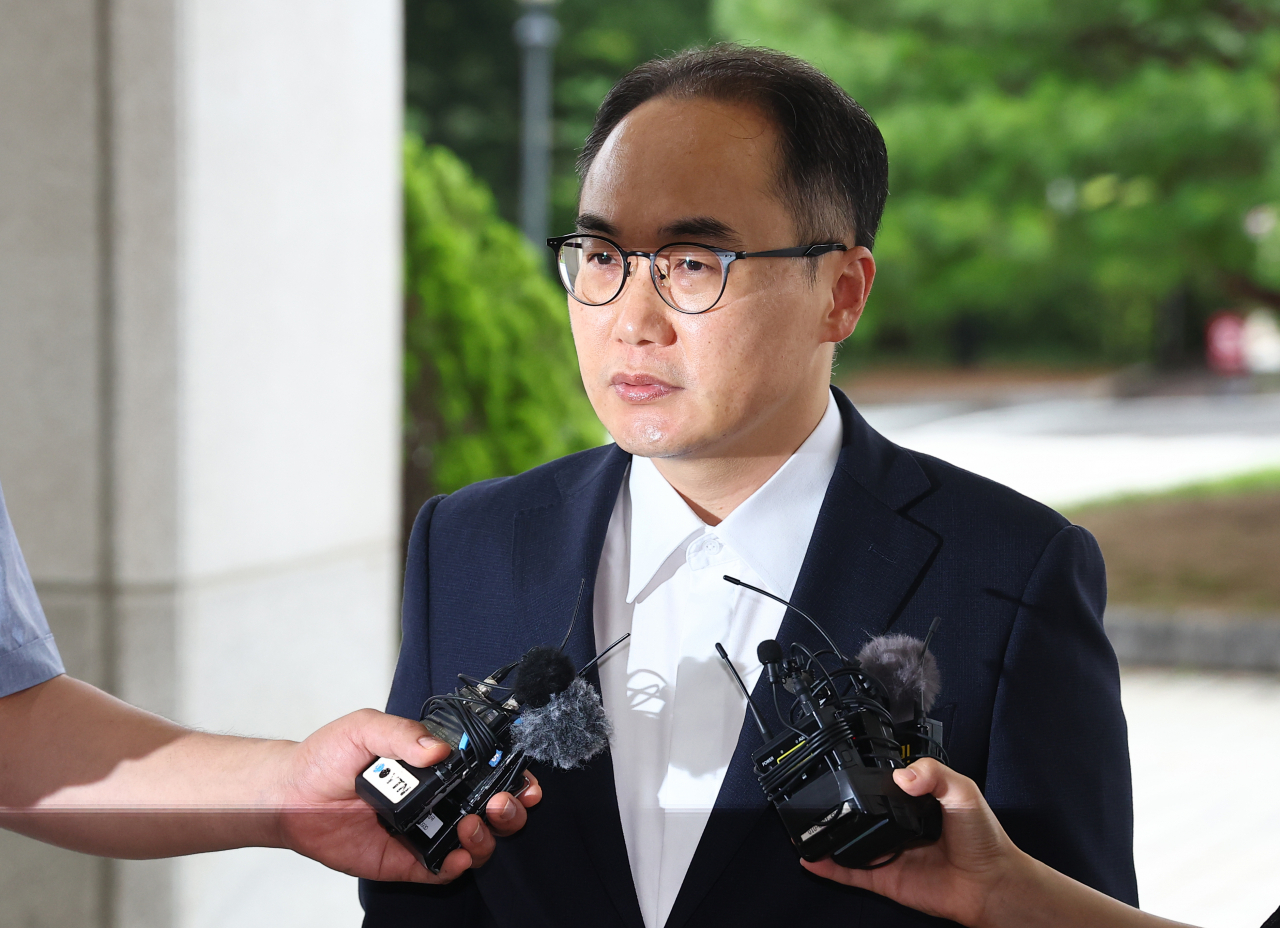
x: 199, y: 390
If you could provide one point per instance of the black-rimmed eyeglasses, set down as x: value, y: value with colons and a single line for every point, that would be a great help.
x: 689, y: 277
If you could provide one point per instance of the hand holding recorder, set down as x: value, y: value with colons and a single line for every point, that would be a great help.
x: 489, y: 733
x: 975, y: 875
x: 83, y: 770
x: 324, y: 820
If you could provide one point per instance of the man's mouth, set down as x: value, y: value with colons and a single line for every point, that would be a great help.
x: 640, y: 388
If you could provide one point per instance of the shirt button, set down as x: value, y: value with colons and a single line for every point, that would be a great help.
x: 696, y: 553
x: 713, y: 545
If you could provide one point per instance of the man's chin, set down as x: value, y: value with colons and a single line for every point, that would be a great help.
x: 651, y: 439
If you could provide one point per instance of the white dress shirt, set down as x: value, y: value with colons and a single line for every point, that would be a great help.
x: 675, y: 709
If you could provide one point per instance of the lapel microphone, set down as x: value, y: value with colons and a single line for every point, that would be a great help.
x: 850, y: 724
x: 551, y: 714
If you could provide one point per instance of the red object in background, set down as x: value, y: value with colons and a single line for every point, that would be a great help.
x: 1224, y: 342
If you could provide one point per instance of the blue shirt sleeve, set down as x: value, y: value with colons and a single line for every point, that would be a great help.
x: 28, y: 654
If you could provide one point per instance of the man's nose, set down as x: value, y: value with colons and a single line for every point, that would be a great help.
x: 642, y: 318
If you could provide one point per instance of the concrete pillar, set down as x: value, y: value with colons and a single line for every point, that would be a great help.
x: 199, y: 392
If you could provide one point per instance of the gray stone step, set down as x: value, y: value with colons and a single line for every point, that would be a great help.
x: 1198, y: 638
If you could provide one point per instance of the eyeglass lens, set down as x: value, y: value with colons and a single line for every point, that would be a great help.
x: 688, y: 277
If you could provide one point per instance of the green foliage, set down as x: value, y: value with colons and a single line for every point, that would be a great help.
x: 601, y: 43
x: 1068, y: 179
x: 462, y: 86
x: 462, y: 78
x: 491, y: 382
x: 1058, y: 170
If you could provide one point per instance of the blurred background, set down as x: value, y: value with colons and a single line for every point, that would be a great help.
x: 267, y: 284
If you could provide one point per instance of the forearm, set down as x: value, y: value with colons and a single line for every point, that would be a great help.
x: 1034, y: 895
x: 82, y: 769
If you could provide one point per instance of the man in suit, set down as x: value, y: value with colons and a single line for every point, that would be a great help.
x: 729, y: 203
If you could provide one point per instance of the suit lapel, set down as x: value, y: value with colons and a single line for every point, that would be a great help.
x: 556, y: 546
x: 863, y: 560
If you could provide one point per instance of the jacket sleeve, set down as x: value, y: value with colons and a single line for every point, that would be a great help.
x: 1058, y: 770
x: 395, y: 905
x: 412, y: 683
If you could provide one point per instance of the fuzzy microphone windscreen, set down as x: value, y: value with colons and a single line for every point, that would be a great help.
x: 566, y: 732
x: 895, y: 662
x: 542, y: 673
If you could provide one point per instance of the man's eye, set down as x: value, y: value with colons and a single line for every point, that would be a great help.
x: 690, y: 264
x: 600, y: 257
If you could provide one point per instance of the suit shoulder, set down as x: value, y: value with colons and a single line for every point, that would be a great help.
x: 543, y: 485
x: 958, y: 494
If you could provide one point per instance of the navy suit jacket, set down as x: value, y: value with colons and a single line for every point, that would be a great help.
x: 1030, y: 688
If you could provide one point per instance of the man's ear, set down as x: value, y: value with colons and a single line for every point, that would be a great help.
x: 855, y: 272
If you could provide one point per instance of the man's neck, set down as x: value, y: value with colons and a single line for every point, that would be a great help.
x: 714, y: 485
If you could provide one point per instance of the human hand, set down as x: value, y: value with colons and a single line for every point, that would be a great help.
x: 956, y: 877
x: 322, y: 818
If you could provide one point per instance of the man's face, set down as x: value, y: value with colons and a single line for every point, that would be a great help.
x: 726, y: 382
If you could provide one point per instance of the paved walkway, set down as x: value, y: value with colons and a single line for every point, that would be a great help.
x: 1206, y: 810
x: 1067, y: 451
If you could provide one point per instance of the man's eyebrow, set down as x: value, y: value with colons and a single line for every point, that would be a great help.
x: 590, y: 222
x: 701, y: 227
x: 689, y: 227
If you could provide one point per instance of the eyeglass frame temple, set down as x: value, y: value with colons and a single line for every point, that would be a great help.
x: 800, y: 251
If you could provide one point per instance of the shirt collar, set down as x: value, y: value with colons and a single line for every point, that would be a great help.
x: 661, y: 522
x: 770, y: 530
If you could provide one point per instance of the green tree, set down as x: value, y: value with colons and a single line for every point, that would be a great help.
x: 491, y: 383
x: 1063, y: 175
x: 462, y: 78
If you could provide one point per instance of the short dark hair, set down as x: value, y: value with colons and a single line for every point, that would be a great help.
x: 833, y: 167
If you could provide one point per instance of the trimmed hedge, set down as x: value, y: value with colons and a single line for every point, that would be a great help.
x: 491, y: 380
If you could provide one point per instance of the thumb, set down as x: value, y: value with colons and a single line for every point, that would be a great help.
x: 382, y: 735
x: 953, y: 790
